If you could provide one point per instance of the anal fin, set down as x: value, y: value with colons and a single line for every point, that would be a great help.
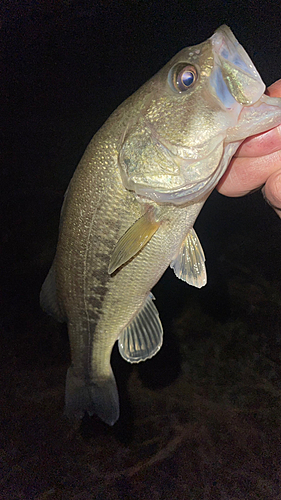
x: 189, y: 265
x: 143, y: 337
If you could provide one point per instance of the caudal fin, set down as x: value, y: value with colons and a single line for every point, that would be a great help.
x: 101, y: 400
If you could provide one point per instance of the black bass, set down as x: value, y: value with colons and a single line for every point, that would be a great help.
x: 130, y: 207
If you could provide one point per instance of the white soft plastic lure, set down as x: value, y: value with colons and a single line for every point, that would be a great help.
x: 130, y: 208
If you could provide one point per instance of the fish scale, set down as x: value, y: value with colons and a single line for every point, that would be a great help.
x: 131, y: 205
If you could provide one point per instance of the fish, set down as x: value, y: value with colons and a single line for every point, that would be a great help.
x: 129, y: 210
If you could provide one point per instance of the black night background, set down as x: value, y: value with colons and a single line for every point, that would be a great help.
x: 202, y: 419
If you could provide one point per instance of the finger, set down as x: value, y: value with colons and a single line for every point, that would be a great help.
x: 246, y: 174
x: 267, y: 142
x: 275, y: 89
x: 272, y: 191
x: 261, y: 144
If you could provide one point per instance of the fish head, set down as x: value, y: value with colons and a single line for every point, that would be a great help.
x: 192, y: 116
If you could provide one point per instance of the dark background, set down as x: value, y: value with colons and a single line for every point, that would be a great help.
x: 65, y: 66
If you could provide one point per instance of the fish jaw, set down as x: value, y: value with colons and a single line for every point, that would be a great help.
x: 262, y: 116
x: 235, y: 80
x: 234, y: 71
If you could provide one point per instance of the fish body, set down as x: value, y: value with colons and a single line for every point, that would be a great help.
x: 130, y: 207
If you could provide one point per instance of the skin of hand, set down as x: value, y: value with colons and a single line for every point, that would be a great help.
x: 257, y: 163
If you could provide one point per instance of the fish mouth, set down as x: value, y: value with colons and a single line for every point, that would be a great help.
x: 235, y: 75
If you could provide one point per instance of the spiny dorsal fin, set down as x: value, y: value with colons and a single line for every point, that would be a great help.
x: 133, y: 240
x: 189, y: 265
x: 143, y: 337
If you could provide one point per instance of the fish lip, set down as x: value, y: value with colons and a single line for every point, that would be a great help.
x: 226, y: 46
x: 237, y: 67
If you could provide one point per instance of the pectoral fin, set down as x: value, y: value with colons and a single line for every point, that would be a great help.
x: 189, y: 265
x: 143, y: 337
x: 133, y: 240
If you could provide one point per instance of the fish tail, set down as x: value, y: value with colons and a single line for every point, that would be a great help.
x: 99, y: 399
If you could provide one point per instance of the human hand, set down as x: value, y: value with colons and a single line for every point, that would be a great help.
x: 257, y: 163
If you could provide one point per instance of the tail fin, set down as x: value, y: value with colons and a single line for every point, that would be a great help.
x: 101, y: 400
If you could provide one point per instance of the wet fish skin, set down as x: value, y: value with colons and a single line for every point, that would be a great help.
x: 131, y: 205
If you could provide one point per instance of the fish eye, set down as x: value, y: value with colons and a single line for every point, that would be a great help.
x: 183, y: 76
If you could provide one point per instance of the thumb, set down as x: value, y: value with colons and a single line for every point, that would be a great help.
x: 272, y: 191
